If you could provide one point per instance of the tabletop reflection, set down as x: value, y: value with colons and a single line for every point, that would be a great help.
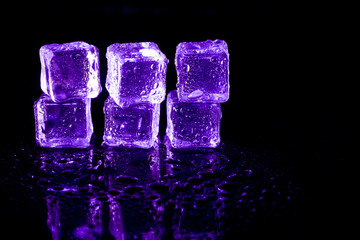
x: 158, y: 193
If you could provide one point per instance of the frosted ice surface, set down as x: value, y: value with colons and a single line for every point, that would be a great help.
x: 192, y: 124
x: 70, y: 70
x: 136, y: 125
x: 136, y: 73
x: 66, y: 124
x: 202, y: 71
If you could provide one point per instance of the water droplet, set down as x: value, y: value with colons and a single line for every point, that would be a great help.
x: 159, y: 187
x: 124, y: 104
x: 195, y: 94
x: 180, y: 187
x: 186, y: 67
x: 214, y: 59
x: 194, y: 180
x: 133, y: 189
x: 126, y: 179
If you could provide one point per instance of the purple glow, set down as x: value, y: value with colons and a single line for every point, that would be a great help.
x: 66, y: 124
x: 136, y: 73
x: 192, y: 124
x: 136, y: 125
x: 70, y: 70
x: 203, y: 71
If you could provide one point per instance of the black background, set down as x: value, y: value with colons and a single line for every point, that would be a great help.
x: 288, y: 90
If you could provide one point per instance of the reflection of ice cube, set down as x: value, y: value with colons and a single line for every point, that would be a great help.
x: 192, y: 124
x: 116, y: 226
x: 198, y: 220
x: 185, y: 164
x: 203, y: 71
x: 67, y: 220
x: 140, y: 165
x: 62, y: 170
x: 70, y: 70
x: 135, y: 125
x: 197, y: 158
x: 136, y: 73
x: 131, y: 224
x: 66, y: 124
x: 53, y: 216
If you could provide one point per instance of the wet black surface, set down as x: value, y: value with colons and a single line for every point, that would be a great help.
x: 239, y: 189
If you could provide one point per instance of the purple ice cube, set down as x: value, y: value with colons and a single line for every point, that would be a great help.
x: 66, y: 124
x: 203, y: 71
x: 192, y: 124
x: 70, y: 70
x: 136, y: 73
x: 135, y: 125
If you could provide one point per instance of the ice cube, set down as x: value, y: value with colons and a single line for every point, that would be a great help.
x: 192, y: 124
x: 70, y: 70
x: 66, y: 124
x: 136, y: 73
x: 136, y: 125
x: 203, y: 71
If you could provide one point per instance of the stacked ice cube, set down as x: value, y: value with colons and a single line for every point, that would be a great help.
x: 193, y: 110
x: 70, y: 77
x: 136, y: 84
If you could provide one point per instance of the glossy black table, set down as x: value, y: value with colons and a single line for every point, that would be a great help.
x: 271, y: 185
